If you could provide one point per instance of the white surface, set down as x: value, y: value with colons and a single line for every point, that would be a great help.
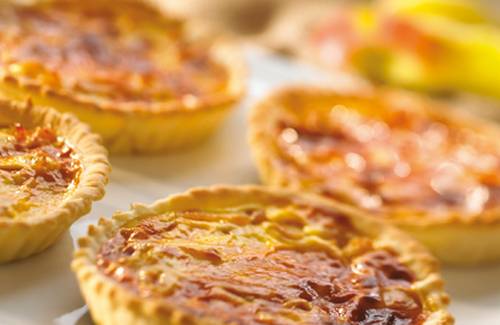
x: 42, y: 289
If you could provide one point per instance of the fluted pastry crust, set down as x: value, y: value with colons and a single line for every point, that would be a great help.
x: 144, y: 81
x: 52, y: 168
x: 426, y: 168
x: 251, y: 255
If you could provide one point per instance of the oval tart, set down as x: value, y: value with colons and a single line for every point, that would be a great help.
x: 51, y: 169
x: 250, y: 255
x: 424, y: 167
x: 146, y: 82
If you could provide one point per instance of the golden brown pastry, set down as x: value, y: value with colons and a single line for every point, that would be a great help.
x: 51, y: 169
x: 250, y: 255
x: 424, y: 167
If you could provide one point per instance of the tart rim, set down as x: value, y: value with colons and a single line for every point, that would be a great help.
x: 99, y: 290
x: 92, y: 155
x: 260, y: 141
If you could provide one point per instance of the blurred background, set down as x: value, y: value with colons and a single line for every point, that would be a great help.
x: 449, y: 49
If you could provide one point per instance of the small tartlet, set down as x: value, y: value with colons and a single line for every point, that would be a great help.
x: 51, y: 170
x: 145, y: 81
x: 427, y: 168
x: 249, y: 254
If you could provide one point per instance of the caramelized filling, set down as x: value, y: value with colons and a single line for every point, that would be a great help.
x: 37, y: 170
x: 390, y: 160
x: 120, y: 54
x: 294, y: 265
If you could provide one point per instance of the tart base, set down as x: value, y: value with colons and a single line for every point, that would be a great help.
x: 111, y: 303
x: 21, y: 240
x: 24, y: 237
x: 460, y: 244
x: 135, y: 132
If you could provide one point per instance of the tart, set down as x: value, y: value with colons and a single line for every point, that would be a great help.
x: 145, y: 81
x: 251, y: 255
x: 51, y: 169
x: 423, y: 166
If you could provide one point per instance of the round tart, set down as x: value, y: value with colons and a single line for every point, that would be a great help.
x: 426, y: 168
x: 144, y: 81
x: 51, y: 169
x: 250, y: 255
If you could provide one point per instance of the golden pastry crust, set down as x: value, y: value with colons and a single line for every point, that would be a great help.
x: 424, y: 167
x: 144, y: 81
x: 238, y: 255
x: 56, y: 168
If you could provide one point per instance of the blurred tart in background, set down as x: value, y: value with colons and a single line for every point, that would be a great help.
x: 250, y: 255
x: 424, y: 167
x: 51, y: 169
x: 145, y: 81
